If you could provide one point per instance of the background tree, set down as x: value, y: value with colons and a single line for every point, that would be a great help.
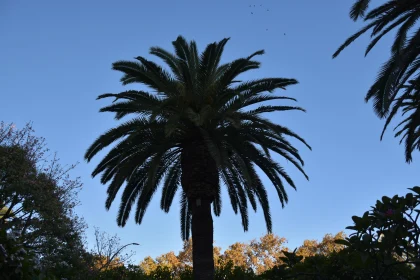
x: 258, y: 255
x: 329, y: 243
x: 185, y: 255
x: 308, y: 249
x: 186, y: 259
x: 266, y: 252
x: 237, y: 254
x: 266, y: 258
x: 108, y: 253
x: 180, y: 265
x: 148, y: 265
x: 397, y: 87
x: 389, y: 234
x: 38, y: 197
x: 384, y: 245
x: 195, y: 129
x: 327, y: 246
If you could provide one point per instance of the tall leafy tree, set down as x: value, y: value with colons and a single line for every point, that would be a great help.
x: 266, y: 252
x: 397, y: 87
x: 37, y: 201
x: 326, y: 247
x: 194, y: 131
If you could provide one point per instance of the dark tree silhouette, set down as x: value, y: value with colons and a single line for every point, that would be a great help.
x: 194, y: 131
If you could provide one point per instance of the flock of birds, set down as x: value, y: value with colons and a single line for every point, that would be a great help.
x: 254, y: 7
x: 261, y: 7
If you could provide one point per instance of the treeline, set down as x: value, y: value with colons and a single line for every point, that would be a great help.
x: 254, y: 258
x: 42, y: 238
x: 335, y: 257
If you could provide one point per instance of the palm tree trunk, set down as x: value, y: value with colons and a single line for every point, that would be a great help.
x: 202, y: 238
x: 199, y: 180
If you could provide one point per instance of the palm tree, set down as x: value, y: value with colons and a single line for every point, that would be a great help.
x: 409, y: 127
x: 401, y: 71
x: 195, y: 132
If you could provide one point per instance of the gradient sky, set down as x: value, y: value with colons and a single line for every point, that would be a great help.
x: 56, y: 59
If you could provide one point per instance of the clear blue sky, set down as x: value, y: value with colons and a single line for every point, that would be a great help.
x: 56, y: 59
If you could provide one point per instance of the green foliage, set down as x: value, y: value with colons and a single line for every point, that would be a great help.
x: 129, y: 272
x: 39, y: 233
x: 384, y: 245
x: 346, y: 265
x: 231, y: 272
x: 16, y: 262
x: 390, y: 233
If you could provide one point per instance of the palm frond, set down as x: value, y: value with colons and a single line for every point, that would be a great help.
x: 386, y: 31
x: 401, y: 37
x: 410, y: 132
x: 217, y: 202
x: 209, y: 62
x: 170, y: 186
x: 280, y: 149
x: 272, y: 170
x: 274, y: 127
x: 240, y: 168
x: 352, y: 38
x: 387, y: 91
x: 269, y: 109
x: 229, y: 184
x: 159, y: 165
x: 131, y: 192
x: 358, y: 9
x: 262, y: 197
x: 239, y: 66
x: 185, y: 217
x: 382, y: 98
x: 181, y: 48
x: 114, y: 134
x: 378, y: 11
x: 241, y: 197
x: 170, y: 59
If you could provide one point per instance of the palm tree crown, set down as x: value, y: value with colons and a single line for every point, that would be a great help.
x: 395, y: 88
x: 199, y: 102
